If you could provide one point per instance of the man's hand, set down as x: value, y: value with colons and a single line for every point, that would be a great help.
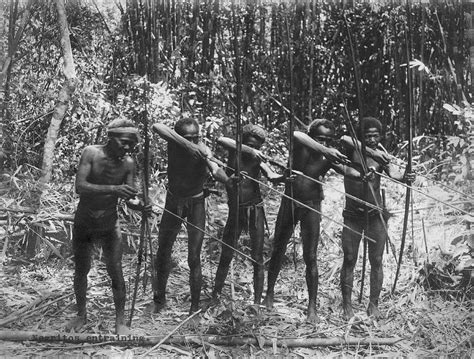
x: 335, y: 155
x: 259, y: 154
x: 276, y: 178
x: 381, y: 157
x: 125, y: 191
x: 138, y: 205
x: 197, y: 151
x: 234, y: 180
x: 290, y: 176
x: 370, y: 175
x: 409, y: 177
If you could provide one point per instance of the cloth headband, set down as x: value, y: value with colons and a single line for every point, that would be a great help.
x: 130, y: 130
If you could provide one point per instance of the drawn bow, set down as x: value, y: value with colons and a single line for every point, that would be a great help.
x: 409, y: 115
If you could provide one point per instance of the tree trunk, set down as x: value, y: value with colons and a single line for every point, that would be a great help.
x: 7, y: 63
x: 64, y: 95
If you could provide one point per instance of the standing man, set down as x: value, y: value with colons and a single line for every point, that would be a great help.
x: 105, y: 174
x: 251, y: 212
x: 355, y: 219
x: 189, y: 166
x: 313, y: 159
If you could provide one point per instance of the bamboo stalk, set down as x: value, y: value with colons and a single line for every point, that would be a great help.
x: 56, y: 336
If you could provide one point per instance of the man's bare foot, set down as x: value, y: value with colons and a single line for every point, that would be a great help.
x: 154, y: 307
x: 122, y: 329
x: 312, y: 317
x: 254, y: 309
x: 194, y: 309
x: 215, y: 301
x: 268, y: 301
x: 373, y: 311
x: 76, y: 323
x: 347, y: 311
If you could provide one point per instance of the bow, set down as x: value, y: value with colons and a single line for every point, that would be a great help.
x: 144, y: 226
x: 409, y: 114
x: 361, y: 151
x: 291, y: 128
x: 238, y: 131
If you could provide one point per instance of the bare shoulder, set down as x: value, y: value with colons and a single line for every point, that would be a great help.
x: 91, y: 152
x: 92, y: 149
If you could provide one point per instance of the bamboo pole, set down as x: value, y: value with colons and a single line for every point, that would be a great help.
x: 56, y: 336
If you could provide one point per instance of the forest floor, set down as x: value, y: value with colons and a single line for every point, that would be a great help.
x: 430, y: 311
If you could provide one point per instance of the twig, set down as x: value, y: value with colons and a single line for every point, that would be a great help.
x: 172, y: 332
x: 27, y: 313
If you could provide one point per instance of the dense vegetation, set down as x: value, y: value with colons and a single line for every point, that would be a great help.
x: 266, y: 62
x: 187, y: 51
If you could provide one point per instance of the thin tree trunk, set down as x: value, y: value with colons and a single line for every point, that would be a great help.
x: 65, y: 94
x: 14, y: 39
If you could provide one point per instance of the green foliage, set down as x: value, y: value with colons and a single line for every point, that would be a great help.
x: 188, y: 54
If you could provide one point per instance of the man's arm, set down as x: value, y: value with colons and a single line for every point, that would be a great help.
x: 172, y: 136
x: 395, y: 172
x: 331, y: 154
x: 216, y: 171
x: 347, y: 171
x: 230, y: 144
x: 83, y: 186
x: 379, y: 156
x: 270, y: 174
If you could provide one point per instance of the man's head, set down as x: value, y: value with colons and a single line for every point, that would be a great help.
x: 322, y: 130
x: 253, y: 136
x: 123, y: 136
x: 188, y: 128
x: 370, y: 131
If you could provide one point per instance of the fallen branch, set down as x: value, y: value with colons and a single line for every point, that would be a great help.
x: 25, y: 314
x: 131, y: 339
x: 172, y: 332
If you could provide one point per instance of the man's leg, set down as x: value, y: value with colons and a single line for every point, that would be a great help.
x: 283, y: 229
x: 197, y: 220
x: 169, y: 229
x: 82, y: 249
x: 257, y: 229
x: 112, y: 247
x: 230, y: 238
x: 350, y: 246
x: 310, y: 226
x: 376, y: 231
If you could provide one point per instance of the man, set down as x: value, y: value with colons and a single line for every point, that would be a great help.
x: 355, y: 220
x: 251, y: 212
x: 189, y: 166
x: 313, y: 159
x: 105, y: 174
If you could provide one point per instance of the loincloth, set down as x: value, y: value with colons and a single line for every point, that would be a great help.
x: 249, y: 210
x: 359, y: 213
x: 313, y: 203
x: 182, y: 204
x: 97, y: 220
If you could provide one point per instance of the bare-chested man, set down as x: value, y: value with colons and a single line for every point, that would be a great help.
x: 313, y: 159
x: 105, y: 174
x: 189, y: 166
x: 354, y: 217
x: 251, y: 212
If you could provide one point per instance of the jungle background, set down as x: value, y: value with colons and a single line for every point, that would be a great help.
x: 70, y: 67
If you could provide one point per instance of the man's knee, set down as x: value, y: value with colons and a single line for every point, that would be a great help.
x: 194, y: 260
x: 375, y: 260
x: 350, y: 259
x: 310, y: 258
